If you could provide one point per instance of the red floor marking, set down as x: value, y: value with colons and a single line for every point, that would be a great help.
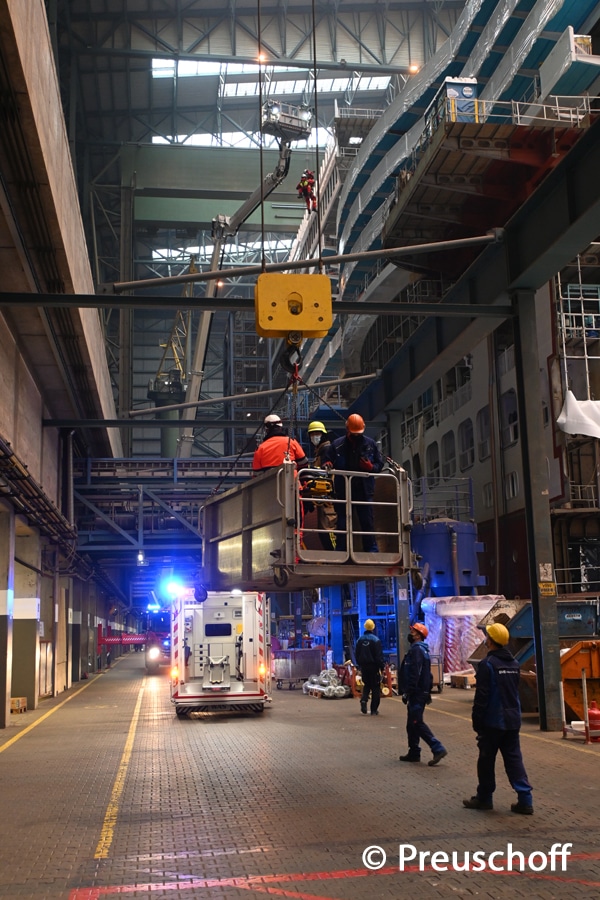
x: 261, y: 883
x: 253, y: 882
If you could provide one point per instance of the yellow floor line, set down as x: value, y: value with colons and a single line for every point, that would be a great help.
x: 112, y: 810
x: 26, y: 730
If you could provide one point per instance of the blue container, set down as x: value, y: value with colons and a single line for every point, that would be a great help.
x: 450, y: 548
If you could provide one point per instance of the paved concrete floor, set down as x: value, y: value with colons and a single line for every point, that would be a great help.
x: 104, y: 792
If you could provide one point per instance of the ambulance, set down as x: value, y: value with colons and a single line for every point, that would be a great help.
x: 220, y: 653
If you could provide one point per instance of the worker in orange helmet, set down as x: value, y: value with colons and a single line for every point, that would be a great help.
x: 355, y: 452
x: 306, y: 189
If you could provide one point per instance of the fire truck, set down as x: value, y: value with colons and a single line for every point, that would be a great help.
x: 220, y: 656
x: 154, y: 639
x: 158, y: 640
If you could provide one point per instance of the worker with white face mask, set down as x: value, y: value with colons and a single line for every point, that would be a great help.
x: 326, y: 513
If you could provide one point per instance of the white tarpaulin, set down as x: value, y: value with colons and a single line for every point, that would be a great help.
x: 580, y: 416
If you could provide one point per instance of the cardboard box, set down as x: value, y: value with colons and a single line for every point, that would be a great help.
x: 18, y: 704
x: 462, y: 681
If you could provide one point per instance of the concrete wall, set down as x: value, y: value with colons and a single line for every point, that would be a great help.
x: 27, y: 49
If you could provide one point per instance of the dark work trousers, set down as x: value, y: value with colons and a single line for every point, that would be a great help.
x: 363, y: 513
x: 489, y: 741
x: 371, y: 685
x: 417, y: 729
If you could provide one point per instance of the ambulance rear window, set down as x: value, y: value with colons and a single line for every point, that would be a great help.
x: 217, y: 629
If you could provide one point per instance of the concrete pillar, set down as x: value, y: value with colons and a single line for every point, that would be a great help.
x: 47, y: 675
x: 25, y: 668
x: 89, y: 633
x: 65, y: 634
x: 79, y: 663
x: 7, y: 591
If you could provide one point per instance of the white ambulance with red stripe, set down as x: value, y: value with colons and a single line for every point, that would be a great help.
x: 220, y: 653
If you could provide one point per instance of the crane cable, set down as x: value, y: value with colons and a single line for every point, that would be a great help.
x: 261, y: 136
x: 314, y: 51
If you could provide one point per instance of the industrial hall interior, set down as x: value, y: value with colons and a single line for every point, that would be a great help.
x: 209, y: 218
x: 239, y: 241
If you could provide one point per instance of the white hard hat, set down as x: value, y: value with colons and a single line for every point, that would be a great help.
x: 272, y: 420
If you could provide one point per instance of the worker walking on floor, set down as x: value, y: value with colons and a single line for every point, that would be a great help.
x: 415, y: 682
x: 369, y: 656
x: 496, y: 719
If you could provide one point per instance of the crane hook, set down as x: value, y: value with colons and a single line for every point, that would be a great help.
x: 291, y: 358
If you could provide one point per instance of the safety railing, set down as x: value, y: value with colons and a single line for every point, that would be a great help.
x: 581, y: 579
x: 567, y: 111
x: 349, y: 517
x: 450, y: 499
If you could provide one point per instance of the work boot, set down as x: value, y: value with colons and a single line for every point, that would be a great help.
x: 476, y: 803
x: 436, y: 757
x: 363, y: 707
x: 521, y: 808
x: 374, y: 712
x: 410, y: 757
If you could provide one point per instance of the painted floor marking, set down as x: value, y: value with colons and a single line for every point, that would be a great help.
x: 50, y: 712
x: 264, y: 883
x: 110, y: 818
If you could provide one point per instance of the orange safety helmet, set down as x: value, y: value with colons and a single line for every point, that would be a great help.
x: 355, y: 424
x: 422, y: 629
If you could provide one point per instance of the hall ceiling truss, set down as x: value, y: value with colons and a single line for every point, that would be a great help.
x: 112, y: 101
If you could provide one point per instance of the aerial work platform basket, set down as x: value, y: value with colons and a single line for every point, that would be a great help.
x: 264, y: 534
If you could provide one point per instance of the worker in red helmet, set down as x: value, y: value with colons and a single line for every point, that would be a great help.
x: 276, y: 444
x: 415, y: 682
x: 355, y: 452
x: 306, y: 190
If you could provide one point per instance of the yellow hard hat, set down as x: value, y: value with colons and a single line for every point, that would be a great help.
x: 316, y: 426
x: 498, y: 633
x: 369, y: 625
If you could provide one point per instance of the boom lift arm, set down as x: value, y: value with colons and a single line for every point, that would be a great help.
x: 222, y: 229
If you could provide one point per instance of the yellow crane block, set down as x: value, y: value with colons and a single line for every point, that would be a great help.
x: 298, y: 305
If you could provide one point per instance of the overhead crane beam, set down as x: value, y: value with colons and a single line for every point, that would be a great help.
x: 242, y: 304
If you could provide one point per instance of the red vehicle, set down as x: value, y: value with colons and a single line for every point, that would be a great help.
x: 158, y: 640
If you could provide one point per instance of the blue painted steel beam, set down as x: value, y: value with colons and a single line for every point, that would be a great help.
x: 558, y: 221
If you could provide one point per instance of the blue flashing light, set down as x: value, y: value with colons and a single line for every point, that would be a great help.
x: 173, y: 587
